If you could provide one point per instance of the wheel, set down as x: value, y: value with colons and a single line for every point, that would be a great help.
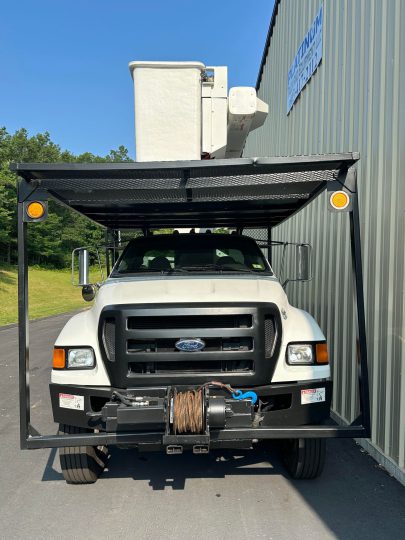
x: 81, y: 464
x: 304, y: 458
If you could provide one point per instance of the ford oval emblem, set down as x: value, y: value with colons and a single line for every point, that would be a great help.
x: 190, y: 345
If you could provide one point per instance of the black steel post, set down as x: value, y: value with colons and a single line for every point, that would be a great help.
x: 112, y: 250
x: 362, y: 362
x: 115, y: 243
x: 107, y: 252
x: 269, y: 248
x: 23, y: 328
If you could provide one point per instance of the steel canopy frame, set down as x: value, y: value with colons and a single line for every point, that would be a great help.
x: 245, y: 192
x: 258, y: 192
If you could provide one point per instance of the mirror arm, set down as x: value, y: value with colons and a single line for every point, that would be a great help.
x: 100, y: 265
x: 97, y: 250
x: 287, y: 281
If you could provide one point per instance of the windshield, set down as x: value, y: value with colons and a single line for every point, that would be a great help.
x: 184, y: 253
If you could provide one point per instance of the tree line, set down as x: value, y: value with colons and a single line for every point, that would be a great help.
x: 49, y: 243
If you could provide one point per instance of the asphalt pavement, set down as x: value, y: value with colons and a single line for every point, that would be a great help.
x: 225, y: 495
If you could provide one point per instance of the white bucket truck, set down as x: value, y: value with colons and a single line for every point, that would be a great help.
x: 191, y: 342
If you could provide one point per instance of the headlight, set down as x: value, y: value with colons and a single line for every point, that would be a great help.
x: 300, y: 354
x: 80, y: 358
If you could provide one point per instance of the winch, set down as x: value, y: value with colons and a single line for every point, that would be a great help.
x: 185, y: 416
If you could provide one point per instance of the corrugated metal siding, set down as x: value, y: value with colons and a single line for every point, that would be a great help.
x: 354, y: 101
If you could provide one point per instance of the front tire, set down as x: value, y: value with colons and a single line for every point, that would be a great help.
x: 305, y: 458
x: 81, y: 464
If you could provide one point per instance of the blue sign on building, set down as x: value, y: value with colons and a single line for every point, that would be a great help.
x: 307, y: 59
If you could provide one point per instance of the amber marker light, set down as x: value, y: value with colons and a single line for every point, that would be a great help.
x: 35, y: 210
x: 322, y: 356
x: 59, y: 357
x: 339, y: 200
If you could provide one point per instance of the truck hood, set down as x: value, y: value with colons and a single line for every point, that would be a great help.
x: 82, y: 328
x: 178, y: 289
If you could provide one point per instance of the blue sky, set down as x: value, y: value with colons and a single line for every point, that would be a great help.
x: 64, y: 62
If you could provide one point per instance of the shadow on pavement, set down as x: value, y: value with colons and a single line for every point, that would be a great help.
x: 162, y: 471
x: 354, y: 497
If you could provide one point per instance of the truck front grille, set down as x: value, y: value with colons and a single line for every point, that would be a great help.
x: 139, y: 343
x: 269, y: 335
x: 169, y: 345
x: 109, y: 339
x: 194, y: 366
x: 192, y: 321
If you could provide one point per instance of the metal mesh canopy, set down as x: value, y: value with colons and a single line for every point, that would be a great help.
x: 246, y: 192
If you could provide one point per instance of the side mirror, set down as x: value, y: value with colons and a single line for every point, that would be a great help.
x: 84, y: 266
x: 303, y: 267
x: 81, y: 267
x: 303, y: 256
x: 89, y: 292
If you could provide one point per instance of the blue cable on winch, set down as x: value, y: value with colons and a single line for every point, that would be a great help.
x: 238, y: 394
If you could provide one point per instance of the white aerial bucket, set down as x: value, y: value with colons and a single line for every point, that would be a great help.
x: 167, y: 110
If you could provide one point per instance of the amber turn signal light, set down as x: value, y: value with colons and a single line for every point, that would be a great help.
x: 322, y: 356
x: 59, y: 358
x: 35, y: 210
x: 339, y: 200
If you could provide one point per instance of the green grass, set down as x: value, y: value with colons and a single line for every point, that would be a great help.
x: 50, y: 293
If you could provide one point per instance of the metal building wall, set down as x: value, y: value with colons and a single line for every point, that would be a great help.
x: 354, y: 101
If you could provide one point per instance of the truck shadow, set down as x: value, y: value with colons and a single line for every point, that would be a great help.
x: 354, y: 497
x: 162, y: 471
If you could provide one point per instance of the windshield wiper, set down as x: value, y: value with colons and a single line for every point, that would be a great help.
x: 187, y: 270
x: 217, y: 267
x: 143, y: 271
x: 174, y: 270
